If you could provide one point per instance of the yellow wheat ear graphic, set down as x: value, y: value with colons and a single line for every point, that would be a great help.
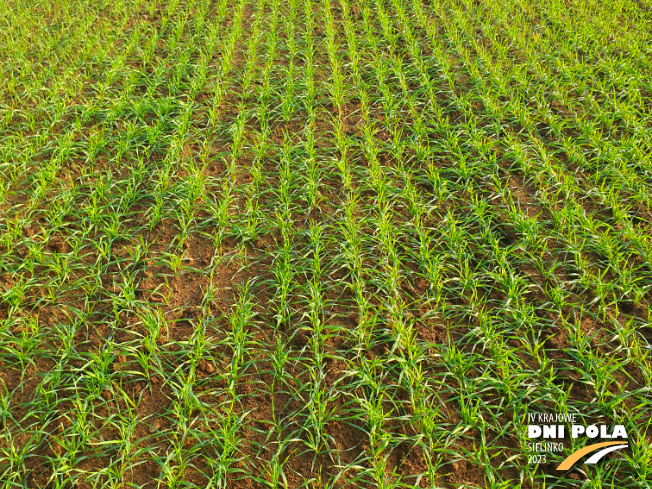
x: 575, y: 456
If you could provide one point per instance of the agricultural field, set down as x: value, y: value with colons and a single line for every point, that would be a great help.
x: 323, y: 243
